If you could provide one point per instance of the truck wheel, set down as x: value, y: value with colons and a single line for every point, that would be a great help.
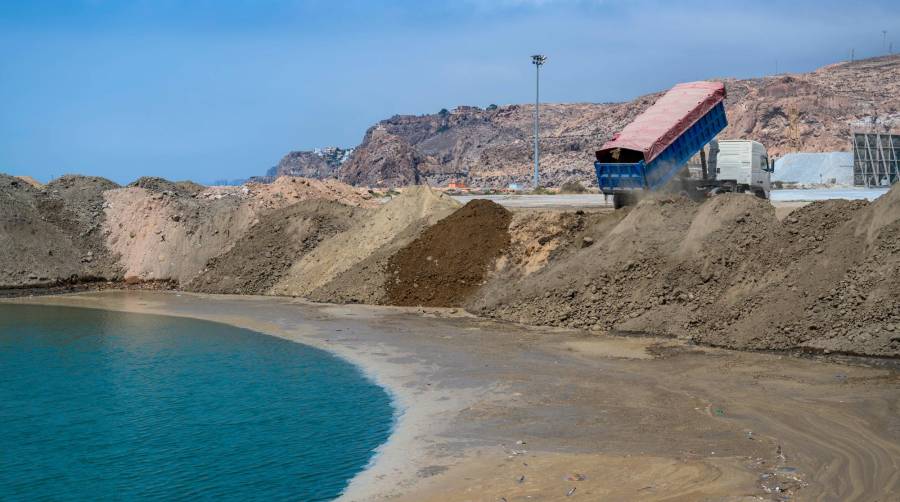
x: 760, y: 193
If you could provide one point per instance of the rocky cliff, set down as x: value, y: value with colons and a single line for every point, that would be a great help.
x: 493, y: 147
x: 814, y: 112
x: 318, y: 163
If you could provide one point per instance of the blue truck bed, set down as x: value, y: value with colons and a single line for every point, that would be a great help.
x: 658, y: 143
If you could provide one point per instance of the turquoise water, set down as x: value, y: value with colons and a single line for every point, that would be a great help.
x: 101, y: 405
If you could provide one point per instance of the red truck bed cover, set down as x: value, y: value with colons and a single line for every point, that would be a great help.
x: 672, y: 114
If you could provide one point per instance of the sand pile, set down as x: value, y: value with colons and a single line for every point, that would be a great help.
x: 166, y: 236
x: 76, y: 204
x: 536, y: 237
x: 181, y: 188
x: 53, y: 234
x: 451, y: 259
x: 263, y: 255
x: 388, y: 228
x: 287, y: 190
x: 165, y: 230
x: 728, y: 273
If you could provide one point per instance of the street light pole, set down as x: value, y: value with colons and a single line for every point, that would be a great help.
x: 537, y: 60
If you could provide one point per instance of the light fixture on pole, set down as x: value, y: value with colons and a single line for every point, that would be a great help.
x: 538, y: 60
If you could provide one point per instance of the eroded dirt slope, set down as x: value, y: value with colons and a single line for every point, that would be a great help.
x: 266, y: 251
x: 415, y: 208
x: 53, y: 233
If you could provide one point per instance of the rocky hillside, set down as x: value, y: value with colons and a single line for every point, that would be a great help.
x: 814, y: 112
x: 319, y: 163
x: 493, y: 147
x: 485, y: 147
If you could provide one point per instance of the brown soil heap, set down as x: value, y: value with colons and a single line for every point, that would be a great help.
x: 384, y: 231
x: 450, y: 260
x: 268, y: 249
x: 53, y: 233
x: 728, y: 273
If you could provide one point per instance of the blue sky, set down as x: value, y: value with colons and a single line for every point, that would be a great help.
x: 222, y: 89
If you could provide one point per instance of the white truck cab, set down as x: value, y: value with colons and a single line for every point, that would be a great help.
x: 745, y: 163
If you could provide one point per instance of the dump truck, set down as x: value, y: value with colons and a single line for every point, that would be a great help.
x: 651, y: 153
x: 741, y: 165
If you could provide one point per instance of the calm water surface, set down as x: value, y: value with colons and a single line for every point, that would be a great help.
x: 105, y: 405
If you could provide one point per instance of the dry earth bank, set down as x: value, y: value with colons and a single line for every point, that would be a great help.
x: 728, y: 272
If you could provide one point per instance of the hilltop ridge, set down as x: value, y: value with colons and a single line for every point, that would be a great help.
x: 809, y: 112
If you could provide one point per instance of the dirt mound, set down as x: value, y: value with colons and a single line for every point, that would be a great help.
x: 839, y: 284
x: 287, y: 190
x: 728, y: 273
x: 32, y: 251
x: 451, y: 259
x: 166, y: 236
x: 154, y: 184
x: 268, y: 249
x: 540, y: 238
x: 53, y: 233
x: 396, y: 223
x: 170, y: 231
x: 75, y: 204
x: 583, y: 288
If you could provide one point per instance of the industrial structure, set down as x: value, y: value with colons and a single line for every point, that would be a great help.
x: 876, y: 158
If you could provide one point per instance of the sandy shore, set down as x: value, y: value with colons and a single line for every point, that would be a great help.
x: 492, y: 411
